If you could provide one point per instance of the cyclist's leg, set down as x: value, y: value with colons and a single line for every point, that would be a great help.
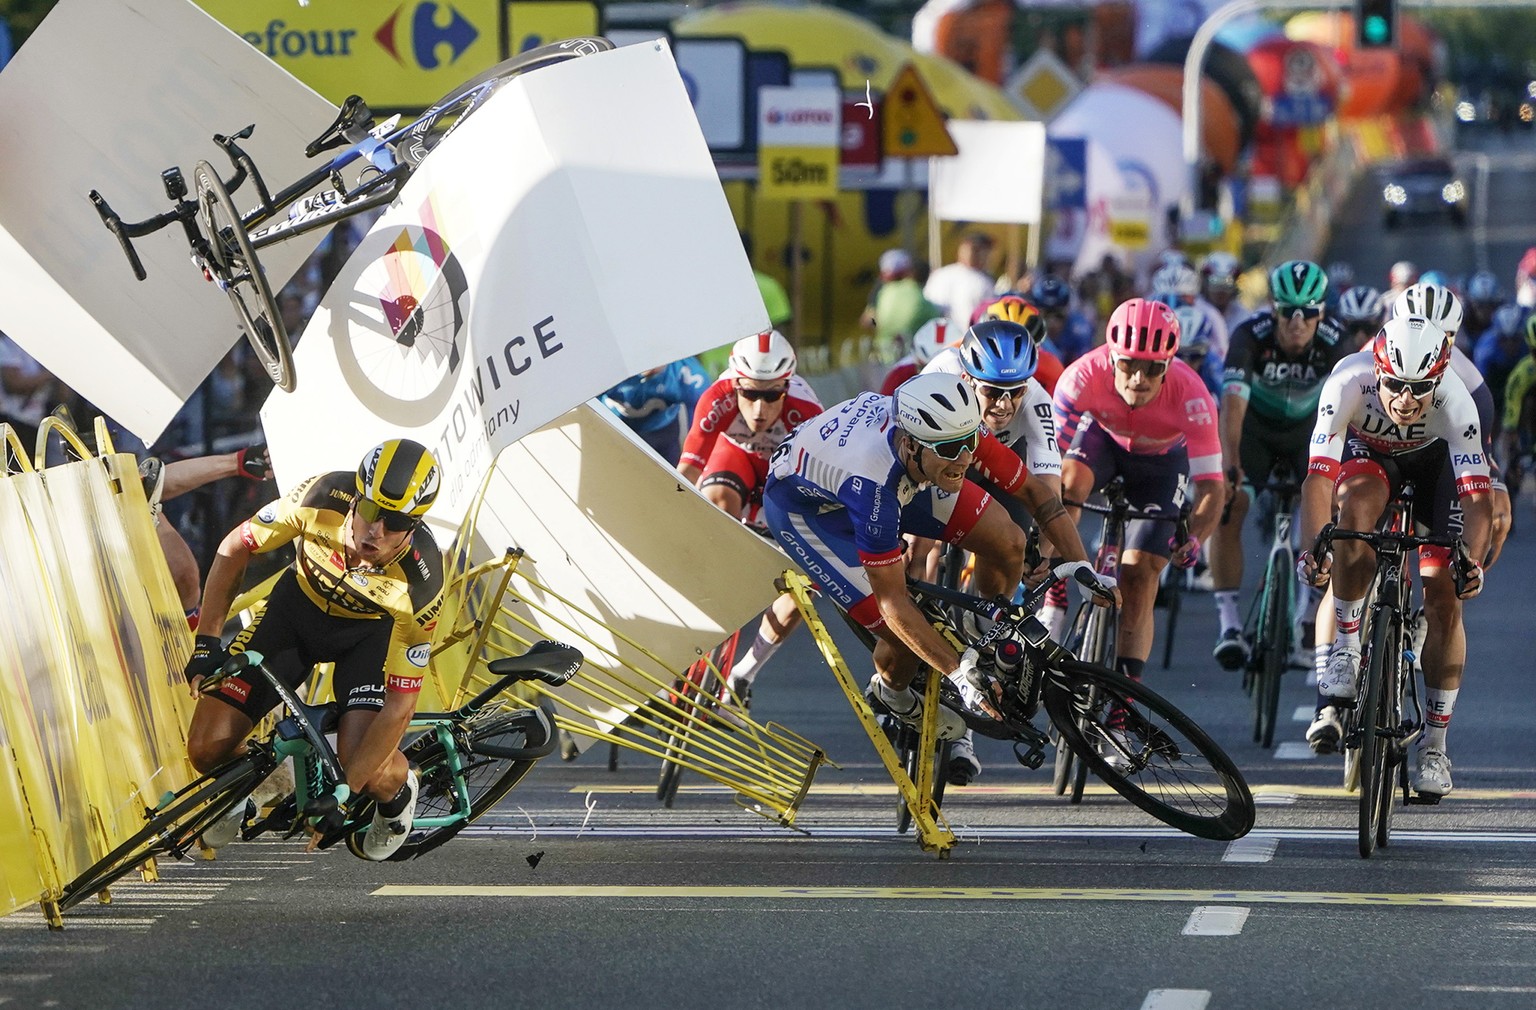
x: 362, y: 654
x: 729, y: 476
x: 1151, y: 483
x: 1445, y: 640
x: 779, y: 620
x: 184, y: 571
x: 1365, y: 485
x: 1226, y: 544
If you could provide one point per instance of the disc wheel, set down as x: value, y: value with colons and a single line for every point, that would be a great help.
x: 238, y: 272
x: 173, y: 828
x: 1149, y: 752
x: 482, y: 744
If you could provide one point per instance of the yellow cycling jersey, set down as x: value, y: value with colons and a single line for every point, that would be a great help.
x: 1521, y: 383
x: 408, y: 590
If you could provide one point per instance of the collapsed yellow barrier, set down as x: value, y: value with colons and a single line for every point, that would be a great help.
x: 92, y: 642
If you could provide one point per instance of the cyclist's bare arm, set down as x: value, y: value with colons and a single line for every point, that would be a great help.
x: 224, y: 578
x: 889, y: 584
x: 1477, y: 523
x: 1234, y: 410
x: 1041, y: 494
x: 1210, y: 499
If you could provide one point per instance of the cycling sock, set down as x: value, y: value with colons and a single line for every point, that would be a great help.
x: 396, y: 806
x: 1128, y: 667
x: 1437, y: 716
x: 1349, y: 613
x: 762, y: 650
x: 192, y: 616
x: 903, y: 702
x: 1056, y: 596
x: 1226, y: 609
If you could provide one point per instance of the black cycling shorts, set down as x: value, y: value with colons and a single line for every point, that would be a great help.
x: 293, y: 635
x: 1151, y: 483
x: 1436, y: 505
x: 1266, y: 442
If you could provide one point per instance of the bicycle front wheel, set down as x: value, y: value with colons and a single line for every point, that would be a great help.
x: 1376, y: 725
x: 487, y: 777
x: 173, y: 829
x: 239, y: 274
x: 1148, y: 751
x: 1275, y: 653
x: 423, y: 136
x: 1098, y: 650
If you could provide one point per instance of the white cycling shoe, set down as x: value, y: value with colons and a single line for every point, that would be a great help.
x: 1338, y: 680
x: 908, y: 707
x: 1431, y: 773
x: 386, y: 834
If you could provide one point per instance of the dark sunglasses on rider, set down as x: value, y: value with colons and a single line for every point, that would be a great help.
x: 766, y: 395
x: 953, y: 448
x: 395, y: 522
x: 1152, y: 369
x: 1419, y: 389
x: 1306, y: 312
x: 998, y: 392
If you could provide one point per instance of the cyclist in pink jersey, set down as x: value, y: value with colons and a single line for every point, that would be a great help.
x: 1130, y: 408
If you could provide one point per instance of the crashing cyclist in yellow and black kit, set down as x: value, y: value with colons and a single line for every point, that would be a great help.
x: 364, y: 593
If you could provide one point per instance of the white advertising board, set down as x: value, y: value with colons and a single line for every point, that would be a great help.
x: 569, y: 234
x: 998, y: 176
x: 105, y: 96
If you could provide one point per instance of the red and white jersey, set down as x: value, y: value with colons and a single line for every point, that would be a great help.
x: 1032, y: 431
x: 1182, y: 413
x: 1349, y: 406
x: 718, y: 415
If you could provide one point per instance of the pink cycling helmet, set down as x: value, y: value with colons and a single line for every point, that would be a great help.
x: 1144, y: 329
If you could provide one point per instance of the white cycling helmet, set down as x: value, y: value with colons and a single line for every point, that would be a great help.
x: 937, y: 407
x: 765, y: 357
x: 1176, y: 279
x: 1220, y: 268
x: 1433, y: 302
x: 1411, y: 348
x: 1361, y: 304
x: 932, y: 337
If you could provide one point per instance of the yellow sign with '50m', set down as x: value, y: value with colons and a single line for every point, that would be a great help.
x: 797, y: 173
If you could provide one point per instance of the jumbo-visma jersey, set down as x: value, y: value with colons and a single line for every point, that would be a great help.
x: 408, y: 590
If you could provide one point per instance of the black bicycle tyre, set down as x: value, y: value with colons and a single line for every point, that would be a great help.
x: 488, y: 779
x: 1373, y: 745
x: 418, y: 140
x: 907, y: 742
x: 1173, y: 603
x: 236, y: 268
x: 174, y: 830
x: 709, y: 687
x: 1391, y: 716
x: 1064, y: 759
x: 1275, y: 641
x: 1100, y: 642
x: 1225, y: 819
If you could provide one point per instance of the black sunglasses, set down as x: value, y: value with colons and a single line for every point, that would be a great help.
x: 1307, y: 312
x: 998, y: 392
x: 395, y: 522
x: 766, y: 395
x: 1419, y: 389
x: 953, y: 448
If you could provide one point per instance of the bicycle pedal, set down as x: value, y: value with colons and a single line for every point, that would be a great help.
x: 1031, y: 758
x: 1423, y: 799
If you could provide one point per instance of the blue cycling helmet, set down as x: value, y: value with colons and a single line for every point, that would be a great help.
x: 1435, y: 277
x: 1051, y: 293
x: 999, y: 352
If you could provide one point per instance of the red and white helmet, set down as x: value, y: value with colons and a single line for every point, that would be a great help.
x: 1143, y: 329
x: 932, y: 337
x: 1411, y: 348
x: 765, y: 357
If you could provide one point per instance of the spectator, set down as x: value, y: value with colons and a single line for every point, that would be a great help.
x: 896, y: 306
x: 959, y: 287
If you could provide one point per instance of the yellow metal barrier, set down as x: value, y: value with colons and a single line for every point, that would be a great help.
x: 932, y: 829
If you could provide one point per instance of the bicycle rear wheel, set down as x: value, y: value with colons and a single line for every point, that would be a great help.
x: 238, y: 272
x: 906, y: 744
x: 1375, y: 744
x: 487, y: 776
x: 704, y: 686
x: 422, y: 137
x: 173, y: 829
x: 1174, y: 587
x: 1164, y: 763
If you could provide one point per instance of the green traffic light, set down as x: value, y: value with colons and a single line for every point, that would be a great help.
x: 1376, y: 29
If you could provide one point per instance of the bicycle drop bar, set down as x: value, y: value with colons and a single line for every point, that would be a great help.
x: 305, y: 719
x: 1460, y: 569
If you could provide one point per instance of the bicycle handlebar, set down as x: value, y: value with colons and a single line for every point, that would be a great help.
x: 1461, y: 566
x: 121, y: 230
x: 300, y: 712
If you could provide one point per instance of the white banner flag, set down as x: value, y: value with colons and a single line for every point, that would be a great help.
x: 570, y: 233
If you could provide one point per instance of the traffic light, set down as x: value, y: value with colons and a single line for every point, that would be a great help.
x: 1375, y: 24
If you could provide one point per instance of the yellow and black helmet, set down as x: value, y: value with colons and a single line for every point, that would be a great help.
x: 397, y: 476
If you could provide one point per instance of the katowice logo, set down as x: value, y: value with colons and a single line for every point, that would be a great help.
x: 419, y: 31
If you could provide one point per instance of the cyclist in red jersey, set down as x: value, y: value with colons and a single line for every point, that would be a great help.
x: 1152, y: 421
x: 738, y: 422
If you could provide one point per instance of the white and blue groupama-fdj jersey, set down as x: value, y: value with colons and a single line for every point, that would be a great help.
x: 839, y: 498
x: 1031, y: 432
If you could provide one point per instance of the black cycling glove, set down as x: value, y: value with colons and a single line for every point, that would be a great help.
x: 208, y: 656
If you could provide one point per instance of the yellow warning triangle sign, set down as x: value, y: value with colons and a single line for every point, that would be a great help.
x: 911, y: 124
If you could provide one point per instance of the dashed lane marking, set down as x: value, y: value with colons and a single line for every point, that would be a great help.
x: 1251, y: 849
x: 1294, y: 750
x: 1490, y: 899
x: 1215, y: 920
x: 1176, y: 999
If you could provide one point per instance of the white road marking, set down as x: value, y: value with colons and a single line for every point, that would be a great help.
x: 1251, y: 849
x: 1484, y: 988
x: 1265, y: 799
x: 1294, y: 750
x: 1176, y: 999
x: 885, y: 834
x: 1216, y: 920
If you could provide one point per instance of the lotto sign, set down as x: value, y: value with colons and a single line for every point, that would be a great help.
x: 799, y: 141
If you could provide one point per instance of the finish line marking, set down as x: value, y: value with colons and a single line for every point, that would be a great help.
x: 1468, y: 900
x: 888, y: 789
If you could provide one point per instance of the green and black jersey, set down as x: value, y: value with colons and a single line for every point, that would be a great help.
x: 1280, y: 387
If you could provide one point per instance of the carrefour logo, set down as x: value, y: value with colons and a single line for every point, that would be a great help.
x: 430, y: 28
x: 413, y: 34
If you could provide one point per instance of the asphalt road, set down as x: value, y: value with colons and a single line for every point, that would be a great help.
x: 581, y: 891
